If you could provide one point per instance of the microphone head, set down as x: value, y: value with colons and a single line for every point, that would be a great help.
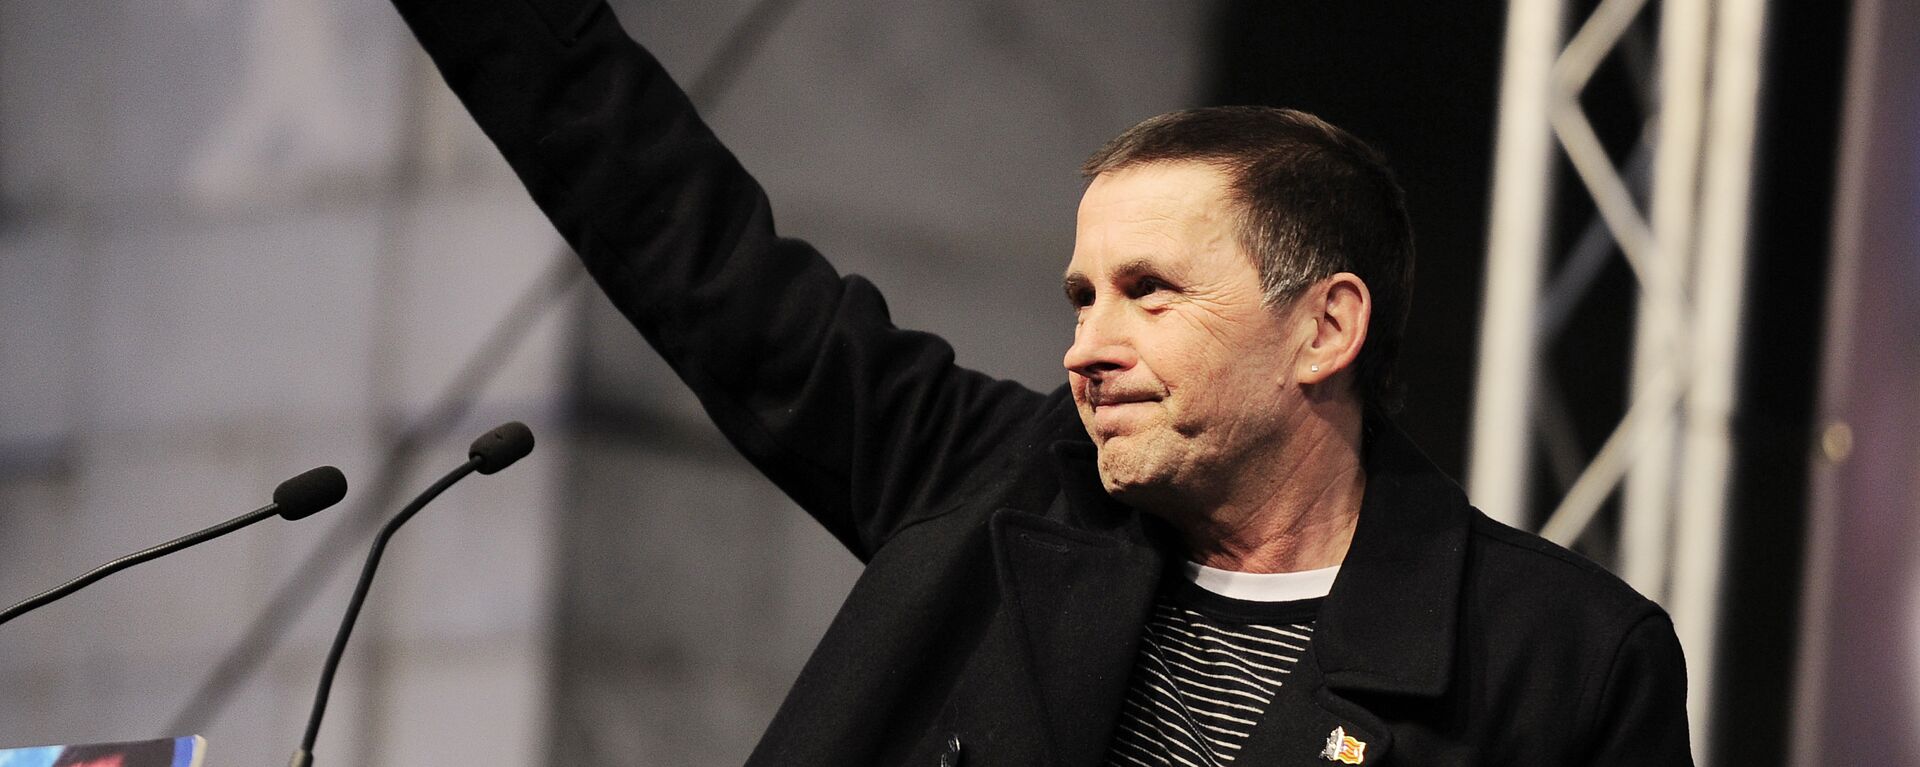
x: 498, y: 449
x: 310, y: 491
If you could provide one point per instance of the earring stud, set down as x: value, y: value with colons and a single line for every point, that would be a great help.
x: 1315, y: 368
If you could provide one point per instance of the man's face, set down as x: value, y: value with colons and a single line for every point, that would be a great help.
x: 1182, y: 377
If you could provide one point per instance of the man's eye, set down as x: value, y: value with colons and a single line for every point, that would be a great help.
x: 1146, y: 286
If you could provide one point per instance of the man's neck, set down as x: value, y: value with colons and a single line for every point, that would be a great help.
x: 1299, y: 513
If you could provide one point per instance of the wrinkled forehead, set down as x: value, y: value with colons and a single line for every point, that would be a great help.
x: 1150, y: 210
x: 1158, y: 189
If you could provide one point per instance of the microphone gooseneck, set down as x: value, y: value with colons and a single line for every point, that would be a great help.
x: 493, y: 451
x: 299, y: 496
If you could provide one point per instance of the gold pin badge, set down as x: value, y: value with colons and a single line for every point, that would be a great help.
x: 1343, y: 748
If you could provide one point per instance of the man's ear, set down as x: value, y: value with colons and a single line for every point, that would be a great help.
x: 1339, y: 308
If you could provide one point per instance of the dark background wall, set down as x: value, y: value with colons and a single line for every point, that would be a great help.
x: 1860, y: 642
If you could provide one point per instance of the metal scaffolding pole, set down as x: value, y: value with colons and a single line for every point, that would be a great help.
x: 1706, y: 467
x: 1516, y: 248
x: 1670, y: 454
x: 1646, y: 525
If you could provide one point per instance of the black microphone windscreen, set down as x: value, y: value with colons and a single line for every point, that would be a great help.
x: 498, y: 449
x: 310, y: 491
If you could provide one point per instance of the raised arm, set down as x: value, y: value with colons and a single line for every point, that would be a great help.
x: 867, y: 426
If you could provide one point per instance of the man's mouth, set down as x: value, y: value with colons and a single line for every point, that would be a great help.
x: 1110, y: 399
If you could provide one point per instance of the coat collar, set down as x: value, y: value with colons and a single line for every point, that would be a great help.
x: 1390, y: 623
x: 1081, y: 578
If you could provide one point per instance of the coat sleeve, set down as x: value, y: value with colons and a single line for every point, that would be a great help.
x: 1642, y: 718
x: 868, y: 427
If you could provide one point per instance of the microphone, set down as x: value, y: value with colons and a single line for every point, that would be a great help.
x: 493, y: 451
x: 298, y: 497
x: 498, y: 449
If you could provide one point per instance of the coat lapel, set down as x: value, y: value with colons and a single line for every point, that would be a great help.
x: 1080, y: 594
x: 1297, y: 729
x: 1388, y: 628
x: 1389, y: 624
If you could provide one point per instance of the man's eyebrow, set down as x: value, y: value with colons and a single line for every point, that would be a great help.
x: 1135, y: 267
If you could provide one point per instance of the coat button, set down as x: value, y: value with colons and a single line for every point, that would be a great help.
x: 952, y: 757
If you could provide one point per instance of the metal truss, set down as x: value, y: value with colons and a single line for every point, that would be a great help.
x: 1669, y: 455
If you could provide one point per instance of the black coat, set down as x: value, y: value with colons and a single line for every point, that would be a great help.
x: 1004, y: 591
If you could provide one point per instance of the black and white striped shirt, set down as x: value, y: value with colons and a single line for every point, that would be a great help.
x: 1209, y: 666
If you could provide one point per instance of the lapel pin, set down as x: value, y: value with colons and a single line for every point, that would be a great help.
x: 1343, y: 748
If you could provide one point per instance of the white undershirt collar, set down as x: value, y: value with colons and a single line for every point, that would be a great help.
x: 1263, y: 587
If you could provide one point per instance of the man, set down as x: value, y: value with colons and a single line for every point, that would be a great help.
x: 1208, y: 548
x: 1224, y: 274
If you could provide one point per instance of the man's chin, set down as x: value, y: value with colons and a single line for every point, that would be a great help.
x: 1133, y: 482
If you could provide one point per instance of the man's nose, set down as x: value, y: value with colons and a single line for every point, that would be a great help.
x: 1101, y: 343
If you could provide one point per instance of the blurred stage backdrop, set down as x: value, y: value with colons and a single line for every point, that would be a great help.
x: 239, y: 238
